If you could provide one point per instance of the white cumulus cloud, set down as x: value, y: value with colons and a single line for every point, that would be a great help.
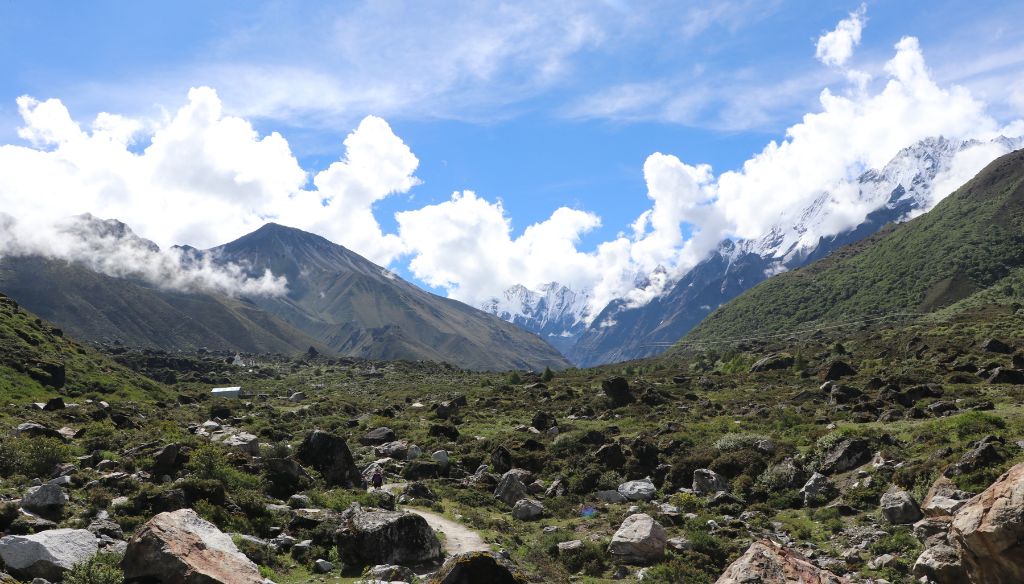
x: 835, y: 47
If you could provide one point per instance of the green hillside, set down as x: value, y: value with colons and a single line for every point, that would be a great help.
x: 969, y: 242
x: 38, y: 362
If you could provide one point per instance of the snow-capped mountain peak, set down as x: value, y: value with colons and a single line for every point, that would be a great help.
x: 554, y: 311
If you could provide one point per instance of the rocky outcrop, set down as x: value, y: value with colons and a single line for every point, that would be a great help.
x: 329, y: 454
x: 47, y: 554
x: 369, y: 537
x: 478, y: 567
x: 773, y: 362
x: 640, y: 539
x: 766, y: 562
x: 989, y: 531
x: 182, y: 548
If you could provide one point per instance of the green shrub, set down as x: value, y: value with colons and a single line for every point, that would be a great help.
x: 100, y: 569
x: 32, y: 457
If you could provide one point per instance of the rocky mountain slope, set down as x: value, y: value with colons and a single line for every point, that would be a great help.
x: 358, y: 308
x: 37, y: 361
x: 337, y: 302
x: 903, y: 186
x: 556, y: 313
x: 104, y: 309
x: 971, y: 240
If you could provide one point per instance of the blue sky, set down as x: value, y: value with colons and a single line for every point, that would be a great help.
x: 541, y: 107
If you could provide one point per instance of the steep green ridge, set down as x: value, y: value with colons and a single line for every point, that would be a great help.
x: 100, y: 308
x: 38, y: 362
x: 967, y: 243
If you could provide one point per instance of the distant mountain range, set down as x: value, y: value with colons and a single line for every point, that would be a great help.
x: 972, y: 242
x: 620, y: 332
x: 336, y: 302
x: 555, y: 312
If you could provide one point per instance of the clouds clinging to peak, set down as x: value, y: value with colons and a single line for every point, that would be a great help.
x: 835, y: 47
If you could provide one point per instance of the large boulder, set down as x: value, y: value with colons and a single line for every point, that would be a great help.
x: 709, y: 482
x: 378, y: 436
x: 617, y: 390
x: 477, y: 568
x: 370, y: 537
x: 846, y: 455
x: 817, y: 490
x: 642, y: 490
x: 329, y: 454
x: 899, y: 507
x: 527, y: 509
x: 837, y: 370
x: 773, y: 362
x: 45, y: 498
x: 989, y: 530
x: 510, y: 489
x: 766, y: 562
x: 47, y: 554
x: 940, y: 563
x: 640, y: 539
x: 182, y: 548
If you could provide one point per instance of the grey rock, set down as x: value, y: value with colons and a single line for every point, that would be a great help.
x: 641, y: 490
x: 527, y: 509
x: 44, y: 498
x: 707, y: 481
x: 899, y: 507
x: 47, y: 554
x: 510, y: 489
x: 639, y: 539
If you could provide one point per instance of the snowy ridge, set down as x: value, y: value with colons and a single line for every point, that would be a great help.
x: 554, y: 311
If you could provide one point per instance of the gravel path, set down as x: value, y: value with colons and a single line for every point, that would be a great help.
x: 458, y: 538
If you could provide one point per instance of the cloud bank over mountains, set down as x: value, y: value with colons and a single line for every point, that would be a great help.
x: 201, y: 177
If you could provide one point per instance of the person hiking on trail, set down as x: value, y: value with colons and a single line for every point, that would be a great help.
x: 378, y: 479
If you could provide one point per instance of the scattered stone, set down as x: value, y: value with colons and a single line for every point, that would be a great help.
x: 982, y: 454
x: 996, y: 346
x: 611, y: 456
x: 641, y: 490
x: 940, y: 563
x: 501, y: 459
x: 527, y: 509
x: 773, y: 363
x: 610, y: 496
x: 477, y: 568
x: 617, y: 390
x: 510, y: 489
x: 640, y: 539
x: 544, y: 421
x: 322, y: 566
x: 47, y: 554
x: 847, y: 455
x: 569, y: 548
x: 297, y: 397
x: 837, y: 370
x: 34, y: 430
x: 391, y: 573
x: 899, y: 507
x: 441, y: 456
x: 766, y: 562
x: 943, y: 499
x: 817, y: 490
x: 378, y: 436
x: 1002, y: 375
x: 47, y: 498
x: 182, y: 547
x: 707, y: 481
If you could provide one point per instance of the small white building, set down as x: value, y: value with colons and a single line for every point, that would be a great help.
x: 230, y: 392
